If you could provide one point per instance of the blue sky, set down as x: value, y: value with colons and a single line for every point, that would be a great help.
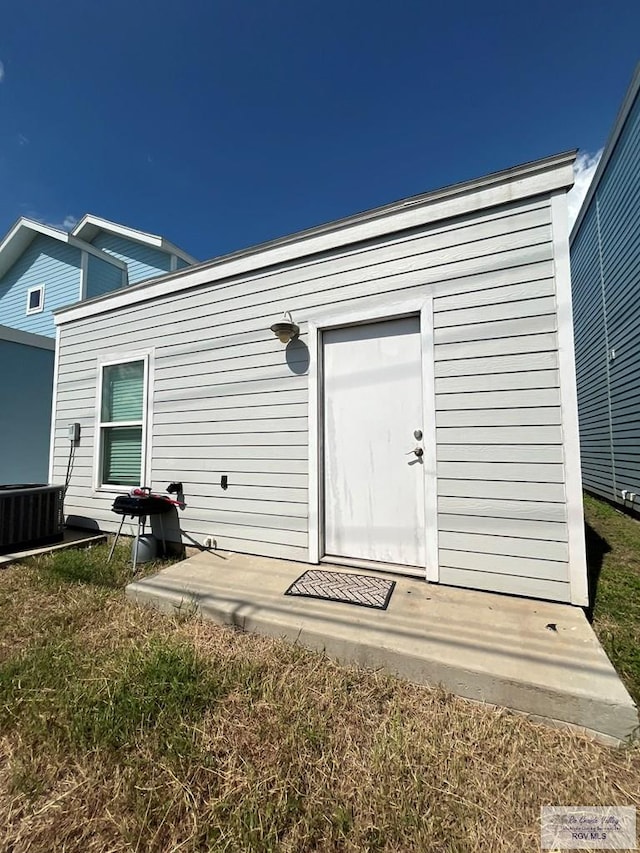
x: 221, y: 124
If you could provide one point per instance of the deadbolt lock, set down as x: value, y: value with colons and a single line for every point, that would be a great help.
x: 417, y: 434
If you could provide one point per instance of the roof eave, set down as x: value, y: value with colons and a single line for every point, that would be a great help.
x: 90, y: 225
x: 498, y: 187
x: 18, y: 336
x: 19, y: 237
x: 612, y: 141
x: 23, y: 232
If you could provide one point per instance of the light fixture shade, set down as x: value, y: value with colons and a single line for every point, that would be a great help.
x: 285, y: 329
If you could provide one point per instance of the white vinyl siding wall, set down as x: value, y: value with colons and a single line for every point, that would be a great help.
x: 230, y: 399
x: 500, y: 454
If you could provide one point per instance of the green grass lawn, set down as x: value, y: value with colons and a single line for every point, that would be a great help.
x: 613, y: 544
x: 123, y: 730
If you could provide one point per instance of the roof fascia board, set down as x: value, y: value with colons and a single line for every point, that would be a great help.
x: 31, y: 225
x: 34, y: 228
x: 541, y: 177
x: 612, y: 141
x: 172, y: 249
x: 93, y: 224
x: 19, y: 238
x: 17, y: 336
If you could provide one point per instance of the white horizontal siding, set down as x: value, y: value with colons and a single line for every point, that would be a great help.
x: 502, y: 517
x: 497, y: 364
x: 518, y: 416
x: 502, y: 489
x: 526, y: 379
x: 525, y: 453
x: 492, y: 508
x: 532, y: 587
x: 230, y: 400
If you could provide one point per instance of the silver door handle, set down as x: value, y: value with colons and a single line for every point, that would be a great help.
x: 418, y: 451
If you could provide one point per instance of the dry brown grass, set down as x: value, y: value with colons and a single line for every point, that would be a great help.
x: 121, y: 730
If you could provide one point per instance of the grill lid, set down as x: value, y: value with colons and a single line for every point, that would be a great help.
x: 139, y: 505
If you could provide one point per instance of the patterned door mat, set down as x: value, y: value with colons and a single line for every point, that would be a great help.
x: 363, y: 590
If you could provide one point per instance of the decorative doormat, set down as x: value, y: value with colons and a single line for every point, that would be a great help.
x: 364, y: 590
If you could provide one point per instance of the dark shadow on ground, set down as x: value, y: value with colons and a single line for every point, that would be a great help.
x: 597, y: 547
x: 82, y: 522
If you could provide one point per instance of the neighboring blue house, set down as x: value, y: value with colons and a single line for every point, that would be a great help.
x: 42, y: 269
x: 25, y: 414
x: 146, y: 255
x: 605, y: 273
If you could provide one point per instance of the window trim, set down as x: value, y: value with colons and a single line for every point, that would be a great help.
x: 35, y: 289
x: 108, y: 360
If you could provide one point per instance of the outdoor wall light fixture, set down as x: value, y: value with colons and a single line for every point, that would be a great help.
x: 285, y: 329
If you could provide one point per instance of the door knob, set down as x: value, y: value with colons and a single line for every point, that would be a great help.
x: 418, y: 451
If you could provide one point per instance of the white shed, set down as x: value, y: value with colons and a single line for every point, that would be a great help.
x: 423, y: 421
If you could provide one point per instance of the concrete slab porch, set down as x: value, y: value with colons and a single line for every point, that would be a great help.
x: 482, y: 646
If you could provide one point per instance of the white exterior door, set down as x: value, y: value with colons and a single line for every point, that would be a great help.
x: 373, y: 481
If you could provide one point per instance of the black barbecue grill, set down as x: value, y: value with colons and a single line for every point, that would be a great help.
x: 140, y: 507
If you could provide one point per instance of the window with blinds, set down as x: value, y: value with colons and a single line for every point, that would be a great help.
x: 122, y: 426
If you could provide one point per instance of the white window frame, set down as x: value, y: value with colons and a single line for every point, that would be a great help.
x: 37, y: 288
x: 109, y: 360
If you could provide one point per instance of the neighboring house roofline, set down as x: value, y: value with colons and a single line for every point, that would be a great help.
x: 24, y: 231
x: 612, y: 141
x: 89, y: 226
x: 17, y: 336
x: 410, y: 212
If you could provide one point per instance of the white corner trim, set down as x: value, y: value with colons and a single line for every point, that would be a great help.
x: 84, y: 273
x: 315, y: 443
x: 579, y: 592
x: 54, y: 402
x: 430, y: 458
